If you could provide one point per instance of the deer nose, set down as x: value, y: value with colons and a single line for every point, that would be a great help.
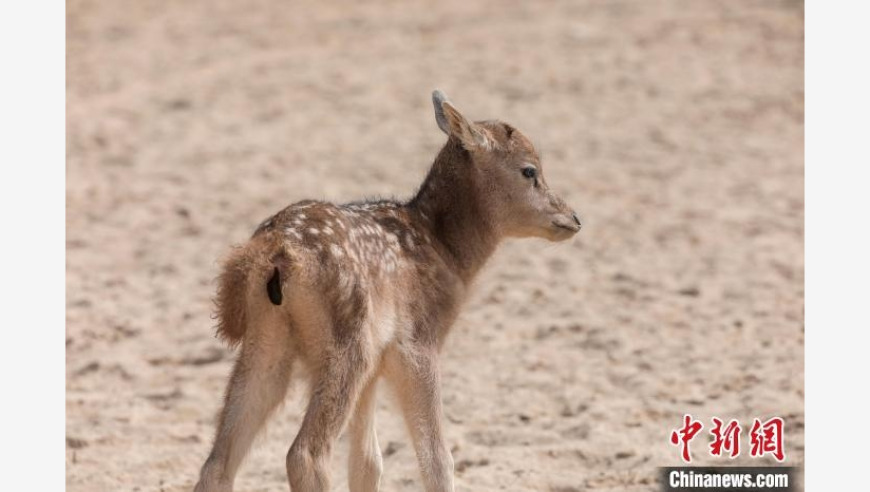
x: 576, y: 218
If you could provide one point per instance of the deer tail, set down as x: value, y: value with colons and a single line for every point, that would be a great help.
x: 251, y: 274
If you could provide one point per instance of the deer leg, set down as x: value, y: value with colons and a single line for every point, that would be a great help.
x: 414, y: 373
x: 257, y: 385
x: 365, y: 463
x: 344, y: 375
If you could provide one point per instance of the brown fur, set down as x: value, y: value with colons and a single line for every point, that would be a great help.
x: 246, y: 266
x: 371, y: 289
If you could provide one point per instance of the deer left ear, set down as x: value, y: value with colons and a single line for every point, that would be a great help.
x: 452, y: 122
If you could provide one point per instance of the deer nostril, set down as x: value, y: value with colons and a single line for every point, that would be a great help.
x: 576, y: 218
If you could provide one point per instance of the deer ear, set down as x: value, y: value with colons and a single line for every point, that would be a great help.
x: 451, y: 122
x: 438, y: 99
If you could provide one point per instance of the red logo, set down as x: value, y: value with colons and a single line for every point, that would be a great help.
x: 727, y: 439
x: 767, y: 438
x: 684, y: 435
x: 764, y: 438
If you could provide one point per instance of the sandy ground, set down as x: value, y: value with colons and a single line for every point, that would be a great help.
x: 674, y: 127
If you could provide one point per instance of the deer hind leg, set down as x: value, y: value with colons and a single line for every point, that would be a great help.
x: 414, y: 373
x: 365, y: 463
x: 344, y: 374
x: 256, y: 387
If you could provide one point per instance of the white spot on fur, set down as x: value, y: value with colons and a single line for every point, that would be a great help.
x: 336, y: 250
x: 293, y: 233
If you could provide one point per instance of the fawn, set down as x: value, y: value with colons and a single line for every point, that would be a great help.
x: 369, y: 289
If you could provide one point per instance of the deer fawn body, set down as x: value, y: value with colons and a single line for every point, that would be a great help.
x: 362, y: 291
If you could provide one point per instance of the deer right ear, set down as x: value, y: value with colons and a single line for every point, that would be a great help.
x: 451, y: 122
x: 438, y: 100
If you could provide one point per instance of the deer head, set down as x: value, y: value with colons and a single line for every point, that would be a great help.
x: 507, y: 175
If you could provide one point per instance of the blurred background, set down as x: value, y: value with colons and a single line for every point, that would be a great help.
x: 675, y: 128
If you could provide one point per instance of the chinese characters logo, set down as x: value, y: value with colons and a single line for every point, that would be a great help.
x: 764, y: 438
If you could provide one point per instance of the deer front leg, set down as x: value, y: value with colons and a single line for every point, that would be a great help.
x: 365, y: 464
x: 414, y: 373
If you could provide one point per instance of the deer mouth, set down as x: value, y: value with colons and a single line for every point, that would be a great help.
x: 571, y: 223
x: 566, y: 227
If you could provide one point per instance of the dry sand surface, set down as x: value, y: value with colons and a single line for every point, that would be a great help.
x: 675, y: 128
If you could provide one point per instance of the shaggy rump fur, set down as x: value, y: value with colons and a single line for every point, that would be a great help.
x: 246, y: 269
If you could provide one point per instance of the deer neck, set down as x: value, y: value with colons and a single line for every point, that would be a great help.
x: 454, y: 213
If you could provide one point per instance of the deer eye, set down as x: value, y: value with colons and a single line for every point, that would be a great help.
x: 530, y: 172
